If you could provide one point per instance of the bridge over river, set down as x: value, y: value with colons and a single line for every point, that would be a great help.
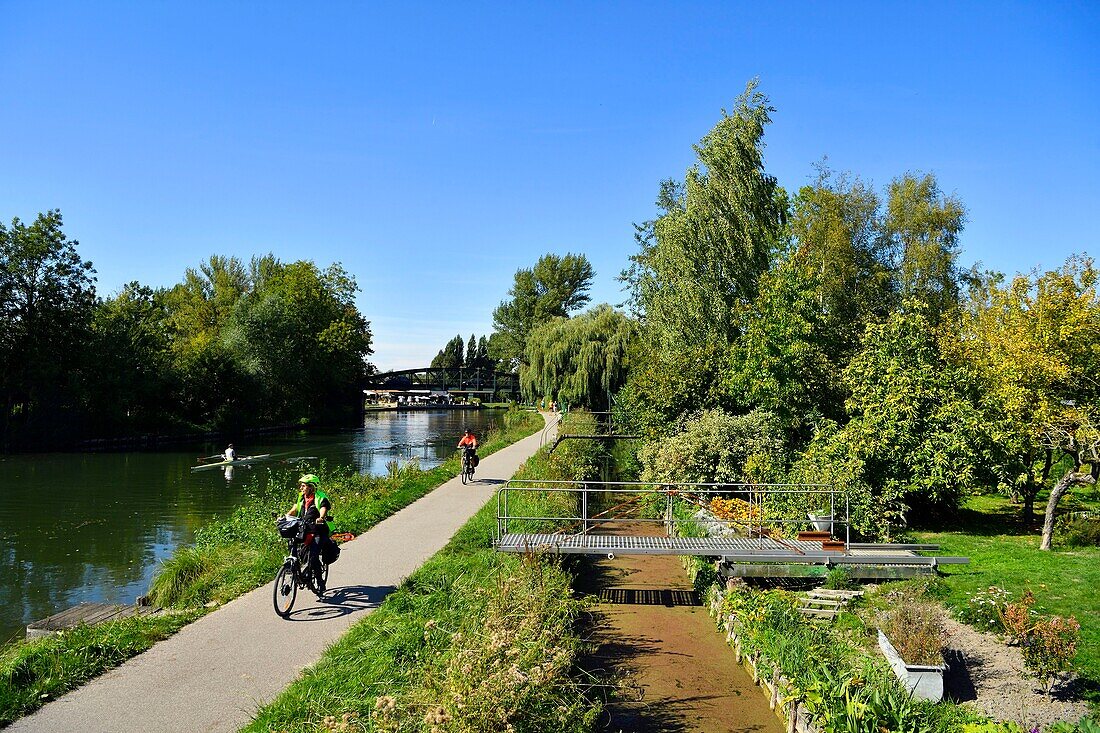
x: 487, y: 384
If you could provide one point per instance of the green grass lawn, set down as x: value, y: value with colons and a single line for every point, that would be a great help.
x: 1004, y: 551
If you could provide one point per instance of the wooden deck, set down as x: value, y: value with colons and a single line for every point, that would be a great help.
x: 86, y: 613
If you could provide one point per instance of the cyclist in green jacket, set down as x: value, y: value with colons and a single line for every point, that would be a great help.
x: 313, y: 507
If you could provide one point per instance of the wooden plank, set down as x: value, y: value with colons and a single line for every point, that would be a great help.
x: 89, y: 614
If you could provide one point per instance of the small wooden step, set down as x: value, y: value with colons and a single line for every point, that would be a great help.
x: 86, y: 613
x: 831, y: 593
x: 814, y: 536
x: 819, y: 612
x: 832, y: 545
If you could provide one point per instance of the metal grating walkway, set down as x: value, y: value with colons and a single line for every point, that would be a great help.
x: 731, y: 550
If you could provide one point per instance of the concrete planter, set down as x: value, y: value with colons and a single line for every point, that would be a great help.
x: 923, y: 681
x: 821, y: 522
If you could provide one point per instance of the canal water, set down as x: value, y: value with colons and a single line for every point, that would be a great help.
x: 94, y: 526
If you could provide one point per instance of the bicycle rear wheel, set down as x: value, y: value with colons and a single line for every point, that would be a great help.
x: 286, y: 590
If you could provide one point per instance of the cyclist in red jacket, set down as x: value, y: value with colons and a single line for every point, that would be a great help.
x: 468, y: 443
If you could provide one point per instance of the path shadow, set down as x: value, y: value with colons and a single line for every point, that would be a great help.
x: 340, y: 602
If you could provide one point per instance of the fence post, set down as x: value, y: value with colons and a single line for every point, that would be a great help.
x: 584, y: 508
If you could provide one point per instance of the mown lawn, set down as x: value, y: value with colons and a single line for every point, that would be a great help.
x: 1004, y: 551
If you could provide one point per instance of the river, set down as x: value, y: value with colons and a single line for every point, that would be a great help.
x: 94, y: 526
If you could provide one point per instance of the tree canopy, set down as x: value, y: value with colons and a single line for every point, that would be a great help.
x: 553, y: 288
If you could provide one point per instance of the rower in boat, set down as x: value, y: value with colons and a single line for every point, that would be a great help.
x: 230, y: 453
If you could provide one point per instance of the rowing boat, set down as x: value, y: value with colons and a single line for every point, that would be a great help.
x: 242, y: 461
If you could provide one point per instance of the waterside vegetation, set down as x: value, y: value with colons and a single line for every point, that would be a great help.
x: 473, y: 641
x: 230, y: 556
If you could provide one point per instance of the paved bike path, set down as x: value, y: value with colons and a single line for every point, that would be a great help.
x: 216, y: 672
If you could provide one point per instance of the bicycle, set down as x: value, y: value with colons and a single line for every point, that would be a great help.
x: 468, y: 456
x: 295, y: 572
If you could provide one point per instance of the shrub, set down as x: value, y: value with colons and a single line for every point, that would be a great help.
x: 1018, y: 617
x: 1081, y: 532
x: 1049, y: 647
x: 720, y: 447
x: 839, y: 578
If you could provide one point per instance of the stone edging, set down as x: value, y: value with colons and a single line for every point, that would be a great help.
x: 776, y: 689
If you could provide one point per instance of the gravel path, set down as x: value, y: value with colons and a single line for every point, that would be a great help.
x: 989, y: 675
x: 215, y: 673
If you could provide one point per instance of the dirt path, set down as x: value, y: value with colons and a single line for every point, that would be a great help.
x: 649, y: 624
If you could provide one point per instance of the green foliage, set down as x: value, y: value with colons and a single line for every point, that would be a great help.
x: 1080, y: 532
x: 47, y: 298
x: 781, y: 362
x: 922, y: 227
x: 451, y: 355
x: 838, y: 578
x: 716, y: 446
x: 700, y: 261
x: 840, y: 245
x: 578, y: 361
x: 553, y: 288
x: 840, y: 687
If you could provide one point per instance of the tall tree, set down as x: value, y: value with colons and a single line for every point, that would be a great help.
x: 47, y: 295
x: 701, y: 259
x: 451, y: 355
x: 553, y: 288
x: 699, y: 265
x: 838, y: 242
x: 129, y: 371
x: 471, y: 353
x: 922, y: 230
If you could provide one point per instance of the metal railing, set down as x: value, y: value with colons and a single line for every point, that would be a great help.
x: 762, y: 516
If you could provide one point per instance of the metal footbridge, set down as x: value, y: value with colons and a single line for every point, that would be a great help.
x: 768, y: 537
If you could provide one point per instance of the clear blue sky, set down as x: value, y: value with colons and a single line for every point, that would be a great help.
x: 433, y: 149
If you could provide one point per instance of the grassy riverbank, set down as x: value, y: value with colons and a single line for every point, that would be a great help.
x: 230, y: 556
x: 473, y: 641
x: 34, y: 672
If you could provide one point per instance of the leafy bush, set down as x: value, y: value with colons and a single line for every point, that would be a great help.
x: 839, y: 578
x: 715, y: 446
x: 1019, y: 617
x: 1081, y: 532
x: 1049, y: 647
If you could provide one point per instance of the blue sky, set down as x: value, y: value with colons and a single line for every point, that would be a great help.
x: 433, y: 149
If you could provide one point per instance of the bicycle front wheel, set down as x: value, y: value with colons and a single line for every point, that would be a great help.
x: 465, y: 474
x: 286, y: 590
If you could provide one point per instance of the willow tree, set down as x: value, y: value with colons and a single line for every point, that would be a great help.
x: 700, y: 261
x: 579, y: 361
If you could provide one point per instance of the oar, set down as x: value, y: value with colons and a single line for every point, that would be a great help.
x: 210, y: 458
